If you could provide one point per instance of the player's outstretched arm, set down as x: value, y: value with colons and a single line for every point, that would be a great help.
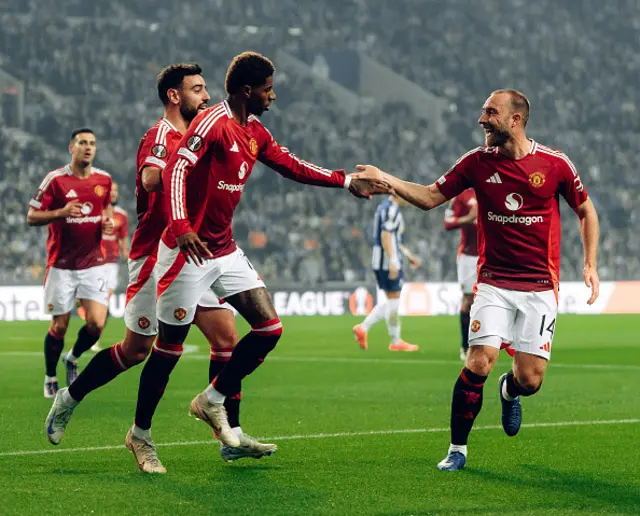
x: 44, y: 217
x: 423, y: 197
x: 590, y: 229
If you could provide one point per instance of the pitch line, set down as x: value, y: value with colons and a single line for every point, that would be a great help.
x: 329, y: 436
x: 192, y: 355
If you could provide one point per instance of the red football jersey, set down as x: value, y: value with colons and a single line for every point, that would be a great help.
x: 159, y: 142
x: 460, y: 206
x: 207, y: 175
x: 519, y: 227
x: 74, y: 243
x: 111, y: 241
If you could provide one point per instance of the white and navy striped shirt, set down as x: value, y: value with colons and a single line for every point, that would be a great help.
x: 387, y: 218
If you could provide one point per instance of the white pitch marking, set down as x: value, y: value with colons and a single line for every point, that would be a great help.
x: 329, y: 436
x: 347, y: 360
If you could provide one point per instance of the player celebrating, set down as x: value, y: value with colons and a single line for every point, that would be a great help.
x: 74, y: 201
x: 388, y: 227
x: 205, y: 180
x: 183, y: 93
x: 518, y: 183
x: 462, y: 214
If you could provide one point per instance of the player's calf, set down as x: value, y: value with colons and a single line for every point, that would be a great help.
x: 248, y: 354
x: 155, y: 374
x: 53, y: 344
x: 465, y: 407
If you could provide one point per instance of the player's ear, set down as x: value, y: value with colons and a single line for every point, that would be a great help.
x: 174, y: 96
x: 246, y: 89
x: 517, y: 118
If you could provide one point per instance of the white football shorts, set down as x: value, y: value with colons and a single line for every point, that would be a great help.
x: 526, y: 319
x: 63, y: 286
x: 140, y: 306
x: 113, y: 270
x: 182, y: 285
x: 467, y: 272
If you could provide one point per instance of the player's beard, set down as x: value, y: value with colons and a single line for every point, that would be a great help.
x: 188, y: 112
x: 497, y: 138
x: 255, y: 107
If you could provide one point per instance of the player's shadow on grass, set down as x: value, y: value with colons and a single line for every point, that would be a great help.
x: 620, y: 496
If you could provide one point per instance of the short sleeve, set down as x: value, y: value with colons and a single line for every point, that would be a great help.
x: 45, y: 194
x: 569, y: 184
x: 456, y: 180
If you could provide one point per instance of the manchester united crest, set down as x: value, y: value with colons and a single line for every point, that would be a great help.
x: 49, y: 308
x: 99, y: 190
x: 144, y: 323
x: 253, y: 146
x: 180, y: 313
x: 475, y: 326
x: 159, y: 151
x: 194, y: 143
x: 537, y: 179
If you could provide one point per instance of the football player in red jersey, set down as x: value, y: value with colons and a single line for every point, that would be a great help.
x: 182, y: 91
x: 518, y: 183
x: 462, y: 214
x: 116, y: 244
x: 75, y: 202
x: 204, y: 180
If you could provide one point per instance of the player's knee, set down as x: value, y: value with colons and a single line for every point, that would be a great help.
x: 479, y: 361
x: 136, y: 355
x: 225, y: 337
x: 94, y: 326
x: 136, y: 352
x: 59, y: 328
x: 529, y: 383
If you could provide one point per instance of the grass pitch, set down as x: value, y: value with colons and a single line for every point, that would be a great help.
x: 359, y: 432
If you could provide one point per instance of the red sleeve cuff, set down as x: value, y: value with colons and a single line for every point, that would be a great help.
x: 180, y: 227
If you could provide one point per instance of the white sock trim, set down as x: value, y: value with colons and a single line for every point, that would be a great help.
x: 68, y: 399
x: 140, y: 433
x: 505, y: 394
x: 237, y: 430
x: 71, y: 357
x: 213, y: 395
x: 49, y: 379
x: 462, y: 448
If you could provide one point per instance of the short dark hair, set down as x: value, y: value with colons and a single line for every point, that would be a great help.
x: 76, y: 132
x: 172, y: 76
x: 519, y: 103
x: 249, y: 68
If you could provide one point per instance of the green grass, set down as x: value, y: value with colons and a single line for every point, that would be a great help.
x: 318, y: 381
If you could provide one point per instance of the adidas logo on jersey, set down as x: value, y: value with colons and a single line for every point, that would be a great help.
x: 495, y: 178
x: 72, y: 193
x: 234, y: 147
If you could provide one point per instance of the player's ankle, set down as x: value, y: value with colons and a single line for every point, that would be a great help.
x: 213, y: 395
x: 460, y: 448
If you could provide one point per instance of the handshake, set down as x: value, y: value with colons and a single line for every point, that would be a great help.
x: 370, y: 181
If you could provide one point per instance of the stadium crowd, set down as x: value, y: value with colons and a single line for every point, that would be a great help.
x: 95, y: 64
